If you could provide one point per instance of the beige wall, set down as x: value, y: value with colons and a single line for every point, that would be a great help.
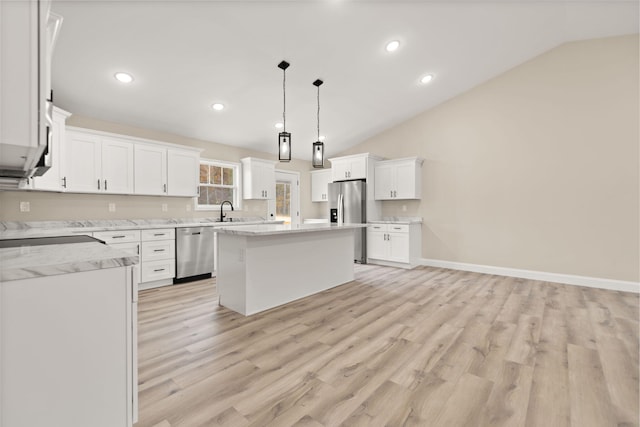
x: 63, y: 206
x: 536, y: 169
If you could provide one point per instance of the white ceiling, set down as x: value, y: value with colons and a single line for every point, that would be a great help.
x: 186, y: 55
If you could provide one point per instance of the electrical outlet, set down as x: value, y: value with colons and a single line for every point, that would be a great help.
x: 404, y: 208
x: 25, y: 206
x: 165, y: 208
x: 112, y: 207
x: 188, y: 208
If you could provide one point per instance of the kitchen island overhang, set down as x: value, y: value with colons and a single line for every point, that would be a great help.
x: 264, y: 266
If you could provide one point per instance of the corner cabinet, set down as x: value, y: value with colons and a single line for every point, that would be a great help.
x: 396, y: 245
x: 320, y: 180
x: 398, y: 179
x: 258, y: 178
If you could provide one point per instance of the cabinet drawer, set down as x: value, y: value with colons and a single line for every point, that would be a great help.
x: 132, y: 248
x: 377, y: 227
x: 398, y: 228
x: 123, y: 236
x: 157, y: 270
x: 158, y: 234
x: 162, y: 249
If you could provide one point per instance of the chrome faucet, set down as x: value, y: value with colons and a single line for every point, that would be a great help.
x: 221, y: 205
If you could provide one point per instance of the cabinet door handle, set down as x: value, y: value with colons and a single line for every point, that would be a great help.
x: 105, y: 185
x: 164, y: 188
x: 138, y: 249
x: 390, y: 193
x: 395, y: 193
x: 64, y: 182
x: 98, y: 184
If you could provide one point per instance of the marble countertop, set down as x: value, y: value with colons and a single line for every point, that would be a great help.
x: 14, y: 229
x: 397, y: 220
x: 51, y: 260
x: 273, y: 229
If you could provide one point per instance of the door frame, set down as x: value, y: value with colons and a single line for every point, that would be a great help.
x: 293, y: 178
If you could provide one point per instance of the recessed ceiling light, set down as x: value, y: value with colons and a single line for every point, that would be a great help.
x: 123, y: 77
x: 218, y: 107
x: 426, y: 79
x: 279, y: 125
x: 392, y: 46
x: 322, y: 138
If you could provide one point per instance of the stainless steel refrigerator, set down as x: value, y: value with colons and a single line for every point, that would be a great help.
x: 348, y: 204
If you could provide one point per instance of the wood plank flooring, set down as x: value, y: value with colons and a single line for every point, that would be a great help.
x: 424, y: 347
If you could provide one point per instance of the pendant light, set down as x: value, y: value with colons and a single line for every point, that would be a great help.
x: 284, y: 137
x: 317, y: 158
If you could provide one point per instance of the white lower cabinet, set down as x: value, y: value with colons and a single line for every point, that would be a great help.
x: 156, y: 249
x: 69, y: 349
x: 394, y: 244
x: 158, y: 257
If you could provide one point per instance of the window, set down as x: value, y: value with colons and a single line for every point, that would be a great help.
x: 219, y: 181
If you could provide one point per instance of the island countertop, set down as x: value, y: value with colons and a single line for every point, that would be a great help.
x: 273, y: 229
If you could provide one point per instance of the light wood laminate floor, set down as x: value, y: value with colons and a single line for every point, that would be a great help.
x: 424, y: 347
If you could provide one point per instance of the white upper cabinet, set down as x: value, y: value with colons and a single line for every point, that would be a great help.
x: 117, y: 166
x: 357, y: 166
x: 83, y: 162
x: 97, y: 164
x: 53, y: 179
x: 28, y: 30
x: 320, y: 184
x: 183, y: 167
x: 398, y: 179
x: 150, y: 168
x: 258, y: 178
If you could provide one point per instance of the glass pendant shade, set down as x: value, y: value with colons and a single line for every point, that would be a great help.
x: 317, y: 158
x: 284, y: 146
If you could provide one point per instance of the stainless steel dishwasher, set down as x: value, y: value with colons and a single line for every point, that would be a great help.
x: 194, y: 253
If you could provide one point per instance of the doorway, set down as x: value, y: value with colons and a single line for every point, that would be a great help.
x: 288, y: 197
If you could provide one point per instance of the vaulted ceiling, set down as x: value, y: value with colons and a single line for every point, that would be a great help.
x: 186, y: 55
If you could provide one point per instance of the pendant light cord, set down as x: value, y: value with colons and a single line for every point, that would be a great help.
x: 284, y: 100
x: 318, y: 113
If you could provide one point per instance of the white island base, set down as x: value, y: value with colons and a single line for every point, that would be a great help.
x: 263, y: 267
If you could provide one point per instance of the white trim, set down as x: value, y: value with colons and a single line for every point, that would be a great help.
x: 237, y: 204
x: 568, y: 279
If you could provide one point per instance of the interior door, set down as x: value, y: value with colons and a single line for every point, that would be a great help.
x: 288, y: 197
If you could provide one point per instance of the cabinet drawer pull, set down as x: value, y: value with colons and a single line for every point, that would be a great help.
x: 159, y: 234
x: 119, y: 237
x: 158, y: 250
x: 158, y: 269
x: 397, y: 228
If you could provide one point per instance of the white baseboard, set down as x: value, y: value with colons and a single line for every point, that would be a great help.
x: 568, y: 279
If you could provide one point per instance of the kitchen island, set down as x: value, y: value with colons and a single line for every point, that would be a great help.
x: 264, y: 266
